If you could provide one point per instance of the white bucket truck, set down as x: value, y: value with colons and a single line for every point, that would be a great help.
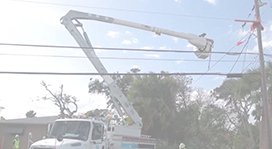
x: 108, y: 133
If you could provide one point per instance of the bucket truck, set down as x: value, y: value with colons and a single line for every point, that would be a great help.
x: 107, y: 133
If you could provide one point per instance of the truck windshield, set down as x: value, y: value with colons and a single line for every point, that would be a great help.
x: 70, y: 129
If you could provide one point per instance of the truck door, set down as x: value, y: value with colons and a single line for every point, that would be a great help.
x: 97, y: 136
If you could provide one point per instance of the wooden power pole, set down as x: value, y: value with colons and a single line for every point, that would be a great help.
x: 265, y: 131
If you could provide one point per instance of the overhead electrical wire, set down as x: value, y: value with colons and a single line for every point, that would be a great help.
x: 132, y: 74
x: 124, y: 10
x: 270, y: 3
x: 244, y: 69
x: 219, y: 60
x: 159, y: 13
x: 125, y: 49
x: 245, y: 45
x: 115, y: 58
x: 252, y: 9
x: 254, y: 62
x: 265, y: 11
x: 244, y: 60
x: 230, y: 49
x: 251, y: 63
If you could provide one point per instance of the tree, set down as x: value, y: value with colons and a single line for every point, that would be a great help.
x: 123, y: 82
x: 242, y: 98
x: 154, y: 97
x: 97, y: 113
x: 1, y: 108
x: 170, y: 113
x: 2, y: 118
x: 62, y: 101
x: 30, y: 114
x: 202, y: 123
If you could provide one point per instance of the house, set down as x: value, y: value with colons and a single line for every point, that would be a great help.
x: 37, y: 126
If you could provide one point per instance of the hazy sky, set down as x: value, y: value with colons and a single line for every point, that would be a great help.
x: 38, y: 22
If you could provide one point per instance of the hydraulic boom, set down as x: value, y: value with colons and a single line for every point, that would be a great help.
x: 70, y: 21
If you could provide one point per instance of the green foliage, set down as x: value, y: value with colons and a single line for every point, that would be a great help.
x: 97, y: 113
x: 2, y: 118
x: 30, y: 114
x: 242, y: 98
x: 157, y: 96
x: 228, y: 118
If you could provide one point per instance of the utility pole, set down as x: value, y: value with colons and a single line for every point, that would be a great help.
x: 265, y: 132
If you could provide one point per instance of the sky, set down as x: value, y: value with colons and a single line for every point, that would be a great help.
x: 38, y: 22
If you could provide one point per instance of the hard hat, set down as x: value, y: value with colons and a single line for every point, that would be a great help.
x: 181, y: 145
x: 16, y: 136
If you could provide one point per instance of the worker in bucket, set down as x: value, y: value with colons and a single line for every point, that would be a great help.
x: 16, y: 142
x: 182, y: 146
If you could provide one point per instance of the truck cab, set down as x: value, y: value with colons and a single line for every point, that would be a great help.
x: 93, y: 134
x: 74, y: 133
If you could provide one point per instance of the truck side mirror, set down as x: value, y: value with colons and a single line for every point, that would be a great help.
x: 59, y: 138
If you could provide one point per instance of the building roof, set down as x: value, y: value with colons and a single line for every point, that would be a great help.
x: 34, y: 120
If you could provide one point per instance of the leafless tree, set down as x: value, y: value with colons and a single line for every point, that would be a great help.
x: 62, y: 101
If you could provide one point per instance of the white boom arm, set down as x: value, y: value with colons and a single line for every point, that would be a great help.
x: 203, y: 45
x: 117, y: 96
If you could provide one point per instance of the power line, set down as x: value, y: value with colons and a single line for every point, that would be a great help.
x: 240, y: 55
x: 126, y: 49
x: 270, y: 3
x: 253, y: 8
x: 248, y: 15
x: 251, y: 63
x: 218, y: 60
x: 137, y: 74
x: 117, y: 58
x: 243, y: 67
x: 125, y: 10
